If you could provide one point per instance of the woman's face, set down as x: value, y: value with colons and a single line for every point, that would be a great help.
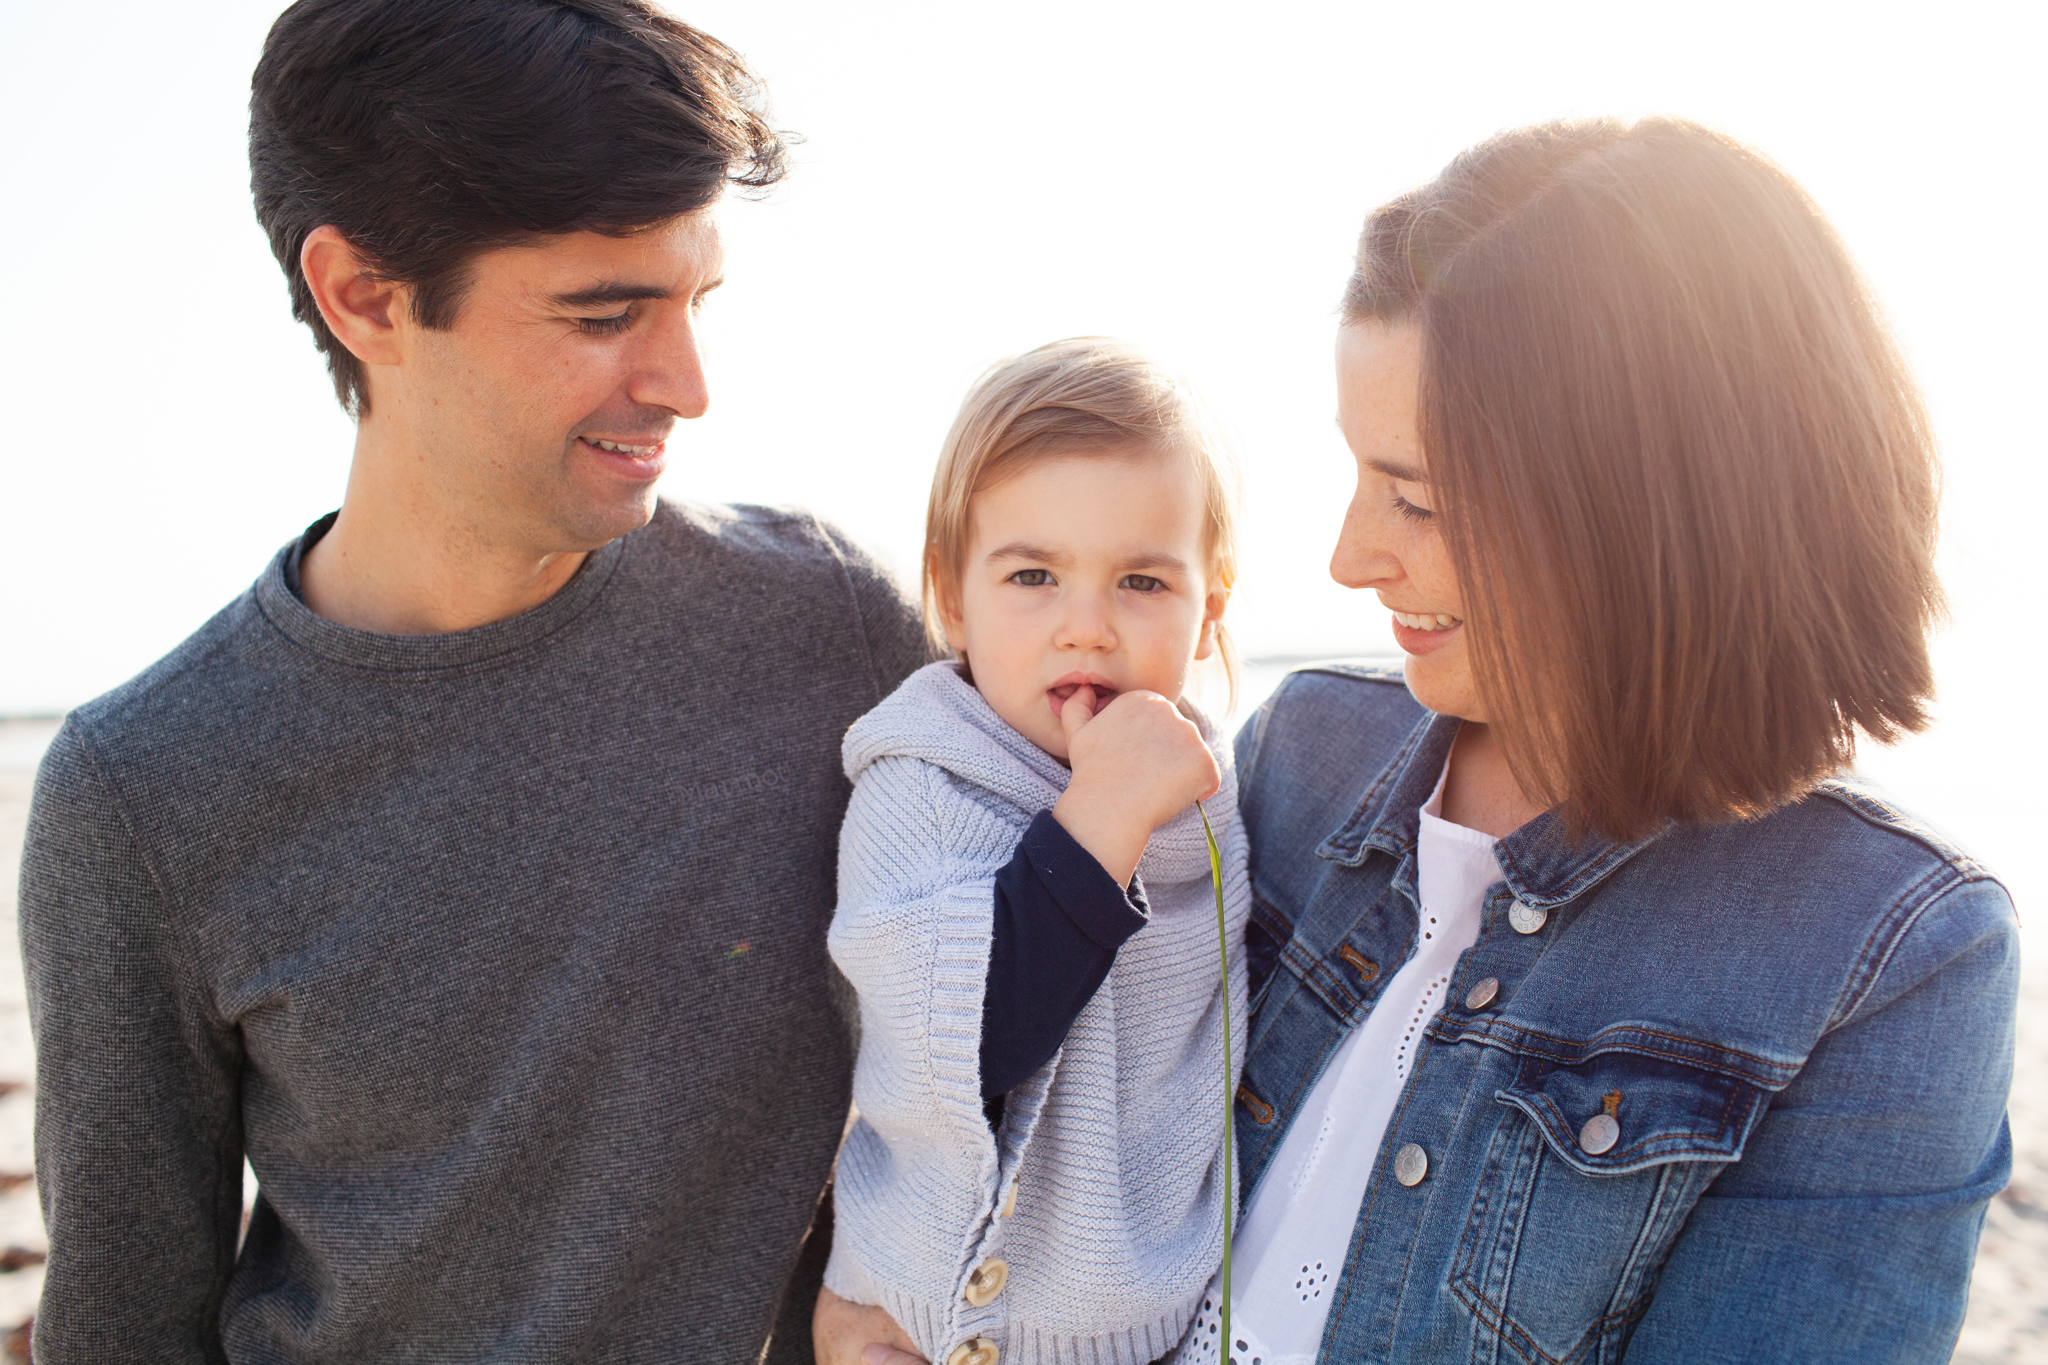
x: 1391, y: 541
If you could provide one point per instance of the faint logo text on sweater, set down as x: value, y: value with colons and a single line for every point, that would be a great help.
x: 742, y: 784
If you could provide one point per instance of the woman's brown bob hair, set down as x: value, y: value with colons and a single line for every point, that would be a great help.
x: 1683, y: 475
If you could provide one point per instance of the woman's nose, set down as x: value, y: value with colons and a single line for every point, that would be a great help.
x: 1362, y: 558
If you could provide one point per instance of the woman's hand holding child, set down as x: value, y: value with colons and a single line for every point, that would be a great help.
x: 1137, y: 764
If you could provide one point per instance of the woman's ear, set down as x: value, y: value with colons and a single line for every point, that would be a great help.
x: 1212, y: 620
x: 358, y: 306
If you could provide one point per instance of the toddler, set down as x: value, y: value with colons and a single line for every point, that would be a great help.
x: 1025, y: 904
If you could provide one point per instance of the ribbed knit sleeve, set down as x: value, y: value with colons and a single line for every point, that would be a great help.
x: 138, y: 1127
x: 912, y: 935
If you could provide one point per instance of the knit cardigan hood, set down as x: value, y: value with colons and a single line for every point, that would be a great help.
x: 1101, y: 1192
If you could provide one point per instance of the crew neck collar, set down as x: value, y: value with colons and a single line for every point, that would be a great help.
x: 297, y: 622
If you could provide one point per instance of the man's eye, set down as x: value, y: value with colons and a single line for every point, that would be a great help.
x: 1138, y: 582
x: 617, y: 322
x: 1031, y: 578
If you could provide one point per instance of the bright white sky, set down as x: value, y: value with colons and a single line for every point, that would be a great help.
x: 977, y: 179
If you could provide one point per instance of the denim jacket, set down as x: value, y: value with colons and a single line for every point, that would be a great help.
x: 1799, y: 1030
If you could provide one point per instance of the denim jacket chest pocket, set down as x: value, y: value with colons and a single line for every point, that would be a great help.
x: 1587, y: 1177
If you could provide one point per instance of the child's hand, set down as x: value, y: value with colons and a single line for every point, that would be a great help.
x: 1136, y: 766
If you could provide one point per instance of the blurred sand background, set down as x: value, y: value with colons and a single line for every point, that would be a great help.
x: 2008, y: 1318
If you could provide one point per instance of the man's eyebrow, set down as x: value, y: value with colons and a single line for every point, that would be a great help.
x: 611, y: 291
x: 1406, y: 473
x: 620, y: 291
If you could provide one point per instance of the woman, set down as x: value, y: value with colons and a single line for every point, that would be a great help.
x: 1598, y: 1016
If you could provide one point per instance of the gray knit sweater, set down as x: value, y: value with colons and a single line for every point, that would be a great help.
x: 499, y: 953
x: 1102, y: 1193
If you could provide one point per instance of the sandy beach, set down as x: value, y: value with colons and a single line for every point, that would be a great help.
x: 2008, y: 1318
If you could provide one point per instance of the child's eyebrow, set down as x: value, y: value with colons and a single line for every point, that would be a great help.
x: 1024, y: 549
x: 1153, y: 559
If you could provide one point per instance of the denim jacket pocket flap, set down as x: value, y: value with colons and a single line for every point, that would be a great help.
x: 1619, y: 1112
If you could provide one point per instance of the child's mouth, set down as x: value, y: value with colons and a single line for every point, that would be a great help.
x: 1104, y: 695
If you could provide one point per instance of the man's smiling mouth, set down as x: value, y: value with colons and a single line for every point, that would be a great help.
x: 621, y: 448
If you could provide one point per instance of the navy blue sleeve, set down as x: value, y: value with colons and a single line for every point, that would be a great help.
x: 1059, y: 919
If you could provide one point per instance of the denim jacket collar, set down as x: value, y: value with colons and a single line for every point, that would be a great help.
x: 1540, y: 864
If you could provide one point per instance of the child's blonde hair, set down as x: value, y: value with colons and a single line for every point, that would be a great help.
x: 1084, y: 395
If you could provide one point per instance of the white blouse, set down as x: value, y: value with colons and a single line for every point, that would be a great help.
x: 1292, y: 1243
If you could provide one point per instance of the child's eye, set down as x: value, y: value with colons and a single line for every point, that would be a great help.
x: 1031, y: 578
x: 1138, y: 582
x: 610, y: 326
x: 1410, y: 510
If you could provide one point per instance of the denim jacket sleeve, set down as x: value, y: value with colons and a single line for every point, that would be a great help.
x: 1847, y: 1231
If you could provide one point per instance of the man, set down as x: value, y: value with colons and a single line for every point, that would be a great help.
x: 470, y: 873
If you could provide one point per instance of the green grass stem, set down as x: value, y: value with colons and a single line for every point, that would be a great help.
x: 1229, y: 1097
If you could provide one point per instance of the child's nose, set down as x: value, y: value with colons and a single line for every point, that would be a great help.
x: 1086, y: 625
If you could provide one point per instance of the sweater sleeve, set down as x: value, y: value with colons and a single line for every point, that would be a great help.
x: 138, y: 1132
x: 911, y: 933
x: 1059, y: 920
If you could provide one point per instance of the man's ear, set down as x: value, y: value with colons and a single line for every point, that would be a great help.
x: 359, y: 308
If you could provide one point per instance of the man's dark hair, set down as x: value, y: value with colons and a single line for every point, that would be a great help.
x: 431, y: 131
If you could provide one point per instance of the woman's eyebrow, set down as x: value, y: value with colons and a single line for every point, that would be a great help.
x: 1406, y: 473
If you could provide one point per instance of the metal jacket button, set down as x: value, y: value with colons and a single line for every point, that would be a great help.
x: 1527, y: 918
x: 1482, y: 994
x: 1600, y: 1133
x: 1411, y: 1163
x: 980, y: 1351
x: 987, y: 1281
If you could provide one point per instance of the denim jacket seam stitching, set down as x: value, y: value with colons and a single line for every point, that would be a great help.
x: 1374, y: 1185
x: 1312, y: 972
x: 1512, y: 1334
x: 1501, y: 1026
x: 1727, y: 1110
x: 1365, y: 815
x: 1506, y: 1330
x: 1272, y: 921
x: 1885, y: 937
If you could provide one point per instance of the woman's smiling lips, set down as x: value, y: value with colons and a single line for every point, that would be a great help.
x: 1057, y: 695
x: 1425, y: 632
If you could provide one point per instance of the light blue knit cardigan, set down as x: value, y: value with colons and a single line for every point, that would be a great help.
x: 1103, y: 1190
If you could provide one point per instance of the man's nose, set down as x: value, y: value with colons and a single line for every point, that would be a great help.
x: 670, y: 370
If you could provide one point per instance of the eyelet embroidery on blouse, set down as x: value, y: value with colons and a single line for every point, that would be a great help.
x: 1424, y: 1008
x: 1201, y: 1346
